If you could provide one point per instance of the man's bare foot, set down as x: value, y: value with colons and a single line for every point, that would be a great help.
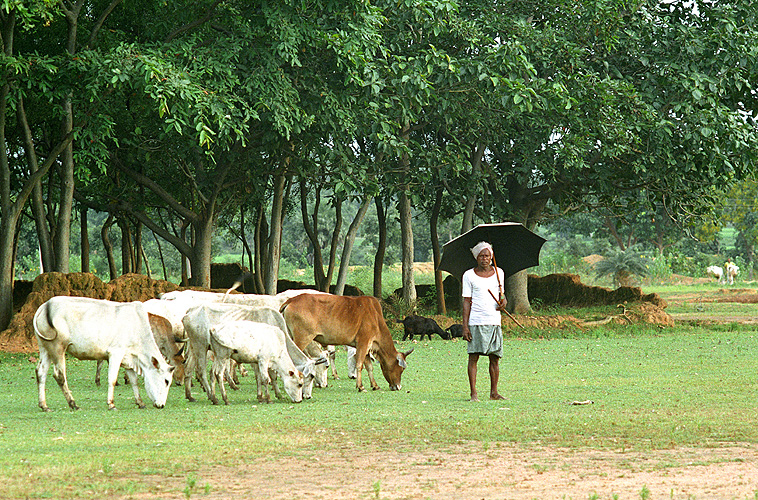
x: 496, y: 396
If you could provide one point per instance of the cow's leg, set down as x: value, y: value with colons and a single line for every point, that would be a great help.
x: 97, y: 372
x: 43, y: 366
x: 360, y: 356
x: 231, y: 375
x: 275, y: 382
x: 218, y: 375
x: 370, y: 370
x: 59, y: 372
x: 265, y: 379
x: 131, y: 377
x: 332, y: 361
x: 190, y: 369
x: 202, y: 370
x: 114, y: 363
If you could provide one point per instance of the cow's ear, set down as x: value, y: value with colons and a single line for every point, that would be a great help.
x: 401, y: 361
x: 156, y: 363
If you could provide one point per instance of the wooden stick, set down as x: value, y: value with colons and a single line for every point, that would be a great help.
x: 505, y: 311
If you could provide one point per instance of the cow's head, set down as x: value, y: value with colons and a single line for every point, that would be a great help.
x: 293, y: 385
x: 392, y: 369
x: 158, y: 375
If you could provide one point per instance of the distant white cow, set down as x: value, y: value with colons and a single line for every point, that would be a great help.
x: 197, y: 324
x: 731, y: 272
x: 99, y: 329
x: 261, y: 345
x: 716, y: 272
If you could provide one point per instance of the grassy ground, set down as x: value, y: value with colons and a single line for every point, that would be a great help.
x: 650, y: 389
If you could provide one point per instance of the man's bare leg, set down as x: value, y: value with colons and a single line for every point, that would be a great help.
x: 494, y: 377
x: 473, y: 359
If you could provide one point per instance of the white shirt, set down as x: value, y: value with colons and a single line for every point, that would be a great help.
x: 483, y: 306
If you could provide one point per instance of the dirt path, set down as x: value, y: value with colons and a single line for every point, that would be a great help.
x: 471, y: 472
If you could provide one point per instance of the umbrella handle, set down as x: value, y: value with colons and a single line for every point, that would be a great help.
x: 504, y: 310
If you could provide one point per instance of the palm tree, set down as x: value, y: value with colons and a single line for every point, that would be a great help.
x: 622, y: 264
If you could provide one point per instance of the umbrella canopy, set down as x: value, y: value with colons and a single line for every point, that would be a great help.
x: 515, y: 248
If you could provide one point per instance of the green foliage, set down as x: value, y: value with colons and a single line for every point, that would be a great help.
x: 621, y: 264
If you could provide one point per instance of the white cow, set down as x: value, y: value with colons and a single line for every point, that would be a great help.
x: 259, y: 344
x: 99, y: 329
x: 170, y: 347
x: 197, y: 324
x: 188, y: 298
x: 731, y: 272
x: 716, y: 272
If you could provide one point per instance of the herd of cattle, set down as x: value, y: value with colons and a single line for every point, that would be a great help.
x: 288, y: 336
x: 724, y: 274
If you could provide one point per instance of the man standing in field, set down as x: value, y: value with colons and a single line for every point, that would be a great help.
x: 481, y: 317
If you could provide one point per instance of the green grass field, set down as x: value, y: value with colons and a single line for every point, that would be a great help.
x: 651, y: 389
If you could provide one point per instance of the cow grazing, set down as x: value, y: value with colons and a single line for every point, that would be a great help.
x: 197, y: 323
x: 716, y: 272
x: 261, y: 345
x: 419, y: 325
x: 99, y: 329
x: 340, y: 320
x: 731, y: 272
x: 455, y: 331
x: 171, y: 347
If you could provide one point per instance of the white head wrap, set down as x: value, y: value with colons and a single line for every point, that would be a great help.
x: 481, y: 246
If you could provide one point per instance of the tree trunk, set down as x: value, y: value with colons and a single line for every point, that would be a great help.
x: 84, y: 240
x: 381, y: 247
x: 47, y: 256
x: 126, y: 246
x: 113, y: 272
x: 261, y: 229
x: 436, y: 254
x: 310, y: 224
x: 200, y: 260
x: 275, y: 236
x: 334, y: 244
x: 347, y: 248
x: 517, y: 293
x: 406, y: 236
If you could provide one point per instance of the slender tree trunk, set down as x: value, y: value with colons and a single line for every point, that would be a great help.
x: 347, y: 248
x: 436, y: 254
x: 47, y: 256
x: 138, y: 250
x: 275, y: 236
x: 334, y: 244
x: 381, y: 247
x: 261, y: 228
x: 84, y: 239
x: 406, y: 228
x: 310, y: 224
x: 112, y: 271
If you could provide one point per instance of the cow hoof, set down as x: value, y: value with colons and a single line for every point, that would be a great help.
x: 191, y: 400
x: 141, y: 407
x: 73, y: 406
x: 45, y: 409
x: 112, y: 408
x: 375, y: 388
x: 362, y: 389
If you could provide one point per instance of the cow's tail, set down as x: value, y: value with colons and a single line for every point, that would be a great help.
x: 237, y: 283
x: 43, y: 321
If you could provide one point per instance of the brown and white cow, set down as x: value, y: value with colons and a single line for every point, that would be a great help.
x: 95, y: 329
x: 353, y: 321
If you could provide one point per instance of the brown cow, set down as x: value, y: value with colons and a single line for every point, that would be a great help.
x: 354, y: 321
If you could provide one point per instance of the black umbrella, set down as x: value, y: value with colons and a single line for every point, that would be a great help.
x: 515, y: 248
